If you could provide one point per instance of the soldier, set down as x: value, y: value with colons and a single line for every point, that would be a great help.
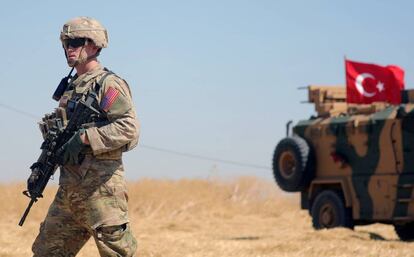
x: 92, y: 199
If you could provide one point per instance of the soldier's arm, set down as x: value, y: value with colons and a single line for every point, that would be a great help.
x: 123, y: 127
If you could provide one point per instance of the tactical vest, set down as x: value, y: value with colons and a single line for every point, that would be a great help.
x: 67, y: 105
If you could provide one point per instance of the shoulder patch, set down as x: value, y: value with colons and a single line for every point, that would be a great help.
x: 109, y: 98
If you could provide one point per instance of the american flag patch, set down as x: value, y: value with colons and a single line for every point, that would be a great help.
x: 110, y: 96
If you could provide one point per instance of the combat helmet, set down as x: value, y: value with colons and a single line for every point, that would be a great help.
x: 85, y: 27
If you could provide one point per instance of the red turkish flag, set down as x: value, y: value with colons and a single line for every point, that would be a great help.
x: 367, y: 83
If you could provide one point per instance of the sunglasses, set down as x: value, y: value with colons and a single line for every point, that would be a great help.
x: 74, y: 42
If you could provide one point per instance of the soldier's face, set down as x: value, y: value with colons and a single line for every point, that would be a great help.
x: 79, y: 52
x: 73, y: 54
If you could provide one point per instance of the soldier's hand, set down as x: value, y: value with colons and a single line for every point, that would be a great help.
x: 70, y: 150
x: 34, y: 176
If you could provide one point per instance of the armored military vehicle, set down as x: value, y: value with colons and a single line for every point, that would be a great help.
x: 353, y: 164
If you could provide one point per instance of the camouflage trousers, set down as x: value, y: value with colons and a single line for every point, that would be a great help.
x: 94, y: 207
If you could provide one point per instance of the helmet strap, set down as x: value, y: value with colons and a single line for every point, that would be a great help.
x: 78, y: 59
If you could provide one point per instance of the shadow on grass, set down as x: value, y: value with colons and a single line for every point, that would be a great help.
x: 372, y: 236
x: 245, y: 238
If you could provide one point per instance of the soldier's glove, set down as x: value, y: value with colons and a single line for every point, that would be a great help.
x: 34, y: 177
x: 70, y: 150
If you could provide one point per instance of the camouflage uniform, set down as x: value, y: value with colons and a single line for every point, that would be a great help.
x: 92, y: 196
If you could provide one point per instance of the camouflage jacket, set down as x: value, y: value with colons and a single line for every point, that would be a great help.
x: 114, y: 98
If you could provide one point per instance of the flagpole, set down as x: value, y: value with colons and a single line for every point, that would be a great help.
x: 346, y: 88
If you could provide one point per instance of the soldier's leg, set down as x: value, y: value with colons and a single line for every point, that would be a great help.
x: 105, y: 210
x: 115, y: 241
x: 101, y: 206
x: 60, y: 235
x: 112, y: 233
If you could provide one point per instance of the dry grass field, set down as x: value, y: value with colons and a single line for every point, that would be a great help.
x: 210, y: 218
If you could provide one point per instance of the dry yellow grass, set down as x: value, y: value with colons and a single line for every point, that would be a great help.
x: 203, y: 218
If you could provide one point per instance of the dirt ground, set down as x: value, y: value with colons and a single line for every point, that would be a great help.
x: 213, y: 217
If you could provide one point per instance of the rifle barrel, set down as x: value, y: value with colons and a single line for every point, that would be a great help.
x: 26, y: 212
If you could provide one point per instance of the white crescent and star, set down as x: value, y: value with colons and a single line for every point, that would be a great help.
x: 360, y: 79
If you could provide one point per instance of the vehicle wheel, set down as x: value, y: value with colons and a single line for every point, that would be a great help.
x: 329, y: 211
x: 293, y: 164
x: 405, y: 232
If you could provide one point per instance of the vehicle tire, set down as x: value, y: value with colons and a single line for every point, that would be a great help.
x: 405, y: 232
x: 329, y: 211
x: 293, y: 164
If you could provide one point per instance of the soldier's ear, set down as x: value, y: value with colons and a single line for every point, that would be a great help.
x: 92, y: 45
x: 95, y: 49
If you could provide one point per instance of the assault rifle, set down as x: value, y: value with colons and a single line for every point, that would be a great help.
x: 51, y: 155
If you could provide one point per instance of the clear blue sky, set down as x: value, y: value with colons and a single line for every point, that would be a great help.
x: 213, y: 78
